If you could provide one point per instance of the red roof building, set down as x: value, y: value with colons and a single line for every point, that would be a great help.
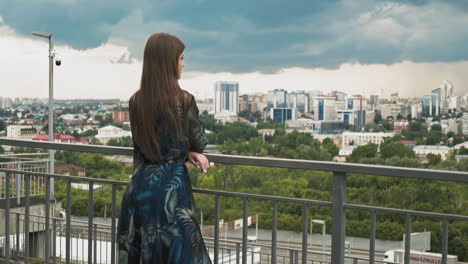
x: 57, y: 138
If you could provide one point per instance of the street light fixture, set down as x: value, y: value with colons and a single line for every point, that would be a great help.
x: 320, y: 222
x: 49, y: 35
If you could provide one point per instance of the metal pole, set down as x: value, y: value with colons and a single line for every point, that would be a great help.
x: 339, y: 218
x: 323, y: 239
x: 51, y: 113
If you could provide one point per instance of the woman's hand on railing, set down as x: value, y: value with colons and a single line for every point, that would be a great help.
x: 199, y: 160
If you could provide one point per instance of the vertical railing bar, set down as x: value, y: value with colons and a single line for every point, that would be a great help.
x: 244, y: 230
x: 47, y: 220
x: 305, y: 218
x: 17, y: 234
x: 95, y: 243
x: 216, y: 238
x: 113, y: 224
x: 90, y: 222
x: 444, y: 240
x: 7, y: 218
x: 274, y: 232
x: 54, y: 240
x: 407, y: 238
x: 68, y: 225
x: 237, y: 253
x: 339, y: 217
x: 26, y: 218
x: 372, y: 238
x: 18, y: 188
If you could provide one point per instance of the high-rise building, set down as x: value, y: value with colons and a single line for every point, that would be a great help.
x: 324, y: 108
x: 464, y: 124
x: 431, y: 104
x: 283, y: 114
x: 299, y: 100
x: 373, y: 101
x: 226, y: 97
x: 390, y: 110
x: 5, y: 103
x: 277, y: 98
x: 445, y: 95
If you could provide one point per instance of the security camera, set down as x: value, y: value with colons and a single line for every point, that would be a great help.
x: 58, y: 61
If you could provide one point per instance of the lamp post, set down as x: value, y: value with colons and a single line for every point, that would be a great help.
x: 321, y: 222
x: 49, y: 35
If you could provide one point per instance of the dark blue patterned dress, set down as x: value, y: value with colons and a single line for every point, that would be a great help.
x: 157, y: 223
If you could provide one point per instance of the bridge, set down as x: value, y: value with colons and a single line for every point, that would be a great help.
x: 18, y: 225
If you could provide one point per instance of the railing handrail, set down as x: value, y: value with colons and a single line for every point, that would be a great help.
x: 338, y: 201
x: 330, y: 166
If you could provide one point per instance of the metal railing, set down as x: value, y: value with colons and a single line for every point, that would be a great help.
x: 34, y: 162
x: 338, y: 204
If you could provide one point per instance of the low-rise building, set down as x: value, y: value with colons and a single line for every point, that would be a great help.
x: 422, y: 151
x: 73, y: 119
x: 363, y: 138
x: 22, y: 131
x: 225, y: 116
x: 111, y: 132
x: 121, y: 115
x: 400, y: 125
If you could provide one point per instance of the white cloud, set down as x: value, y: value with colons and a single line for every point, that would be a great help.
x: 93, y: 73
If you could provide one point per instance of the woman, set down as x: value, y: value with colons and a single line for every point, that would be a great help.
x: 157, y: 223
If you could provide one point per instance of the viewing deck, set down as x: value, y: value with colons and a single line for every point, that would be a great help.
x: 56, y: 230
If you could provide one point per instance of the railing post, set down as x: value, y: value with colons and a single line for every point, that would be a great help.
x: 216, y: 234
x: 305, y: 219
x: 113, y: 225
x: 274, y: 236
x: 26, y: 218
x: 244, y: 230
x: 407, y: 239
x: 372, y: 239
x: 95, y: 243
x: 90, y: 221
x: 444, y: 240
x: 7, y: 219
x: 339, y: 218
x: 47, y: 221
x: 68, y: 225
x: 17, y: 234
x: 237, y: 253
x: 54, y: 240
x: 18, y: 189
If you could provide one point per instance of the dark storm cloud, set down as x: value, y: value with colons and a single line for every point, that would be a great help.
x: 264, y: 35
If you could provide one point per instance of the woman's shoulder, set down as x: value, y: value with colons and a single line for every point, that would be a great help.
x: 187, y: 97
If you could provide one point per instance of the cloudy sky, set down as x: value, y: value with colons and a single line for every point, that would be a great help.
x: 355, y: 46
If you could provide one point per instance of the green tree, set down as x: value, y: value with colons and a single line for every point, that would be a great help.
x: 433, y: 159
x: 377, y: 118
x: 434, y: 137
x: 364, y: 151
x: 391, y: 149
x: 121, y: 142
x: 463, y: 151
x: 330, y: 146
x: 2, y: 125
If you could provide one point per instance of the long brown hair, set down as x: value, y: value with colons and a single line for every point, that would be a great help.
x: 155, y: 104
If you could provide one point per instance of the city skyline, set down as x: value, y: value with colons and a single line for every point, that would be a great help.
x: 407, y: 47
